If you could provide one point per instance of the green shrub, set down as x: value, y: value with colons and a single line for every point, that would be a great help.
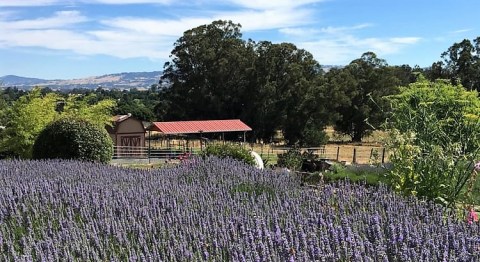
x: 434, y: 130
x: 292, y: 159
x: 229, y: 150
x: 70, y: 138
x: 314, y: 137
x: 370, y: 175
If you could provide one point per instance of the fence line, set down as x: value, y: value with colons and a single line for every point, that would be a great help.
x: 340, y: 153
x: 344, y: 153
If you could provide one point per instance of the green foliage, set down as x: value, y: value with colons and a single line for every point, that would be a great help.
x: 369, y: 175
x: 89, y: 108
x: 292, y: 159
x: 71, y: 138
x: 434, y: 132
x: 234, y: 151
x: 363, y: 81
x: 462, y: 64
x: 314, y: 137
x: 207, y: 75
x: 214, y: 74
x: 286, y: 93
x: 3, y: 111
x: 32, y: 112
x: 139, y: 103
x: 28, y: 116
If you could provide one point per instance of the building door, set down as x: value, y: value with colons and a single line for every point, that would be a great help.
x: 131, y: 145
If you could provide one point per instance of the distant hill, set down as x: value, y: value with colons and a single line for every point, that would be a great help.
x: 125, y: 80
x: 9, y: 80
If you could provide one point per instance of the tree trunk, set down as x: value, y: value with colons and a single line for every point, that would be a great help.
x: 357, y: 137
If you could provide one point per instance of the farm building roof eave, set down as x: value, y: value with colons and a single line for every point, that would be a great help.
x: 200, y: 126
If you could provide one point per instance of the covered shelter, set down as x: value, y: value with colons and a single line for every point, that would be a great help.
x: 200, y: 127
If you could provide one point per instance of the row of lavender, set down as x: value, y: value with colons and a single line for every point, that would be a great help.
x: 213, y: 210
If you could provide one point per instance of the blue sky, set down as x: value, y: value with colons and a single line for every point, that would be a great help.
x: 54, y: 39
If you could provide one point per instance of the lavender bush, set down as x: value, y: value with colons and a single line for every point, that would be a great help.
x: 214, y: 210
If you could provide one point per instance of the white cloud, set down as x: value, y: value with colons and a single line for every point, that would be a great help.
x: 155, y: 27
x: 125, y: 2
x: 117, y: 44
x: 61, y: 32
x: 24, y: 3
x: 270, y: 4
x: 251, y: 20
x: 129, y: 37
x: 461, y: 31
x: 20, y: 3
x: 344, y: 49
x: 341, y: 45
x: 312, y: 33
x: 267, y: 19
x: 344, y: 29
x: 60, y: 19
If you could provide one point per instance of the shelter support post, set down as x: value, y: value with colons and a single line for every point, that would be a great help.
x: 149, y: 146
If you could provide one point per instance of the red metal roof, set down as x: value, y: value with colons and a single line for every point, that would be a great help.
x: 205, y: 126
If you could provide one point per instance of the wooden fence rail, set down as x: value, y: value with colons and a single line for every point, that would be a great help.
x: 340, y: 153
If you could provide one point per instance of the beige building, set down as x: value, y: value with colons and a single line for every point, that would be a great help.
x: 128, y: 134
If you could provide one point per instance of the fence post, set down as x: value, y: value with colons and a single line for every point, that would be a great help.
x: 354, y: 155
x: 383, y: 156
x: 338, y: 152
x: 149, y: 153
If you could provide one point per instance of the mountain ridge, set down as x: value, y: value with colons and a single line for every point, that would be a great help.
x: 124, y: 80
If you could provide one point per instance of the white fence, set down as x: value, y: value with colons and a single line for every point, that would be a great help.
x: 137, y: 152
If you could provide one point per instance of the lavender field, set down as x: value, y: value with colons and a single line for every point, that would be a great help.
x: 213, y: 210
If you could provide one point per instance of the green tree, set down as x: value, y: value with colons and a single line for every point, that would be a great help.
x: 286, y: 93
x: 136, y: 107
x: 214, y: 74
x: 4, y: 108
x: 462, y: 63
x: 435, y: 138
x: 206, y: 77
x: 3, y: 111
x: 11, y: 94
x: 364, y: 82
x: 31, y: 113
x: 406, y: 74
x: 89, y: 108
x: 28, y: 116
x: 437, y: 71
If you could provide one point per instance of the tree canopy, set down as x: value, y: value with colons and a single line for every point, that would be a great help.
x: 31, y: 113
x: 363, y: 84
x: 214, y: 74
x: 461, y: 64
